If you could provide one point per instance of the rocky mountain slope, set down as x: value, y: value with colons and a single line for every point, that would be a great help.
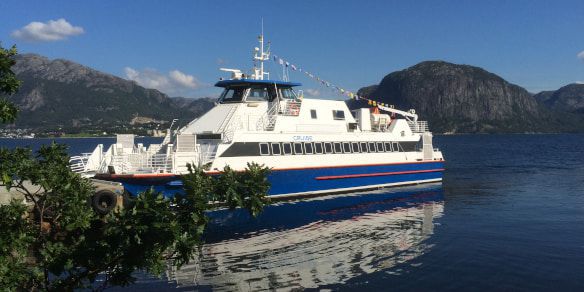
x: 569, y: 98
x: 60, y: 94
x: 463, y: 99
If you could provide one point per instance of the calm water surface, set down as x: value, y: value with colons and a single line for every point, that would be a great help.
x: 508, y: 216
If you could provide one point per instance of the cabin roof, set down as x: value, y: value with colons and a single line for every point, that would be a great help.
x: 244, y: 82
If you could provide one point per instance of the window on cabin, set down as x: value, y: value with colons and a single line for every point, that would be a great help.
x: 371, y: 147
x: 298, y: 148
x: 287, y: 148
x: 346, y: 147
x: 396, y: 147
x: 287, y: 93
x: 264, y: 149
x: 328, y: 147
x: 258, y: 93
x: 338, y: 115
x: 308, y: 148
x: 276, y: 149
x: 318, y: 147
x: 232, y: 94
x: 380, y: 147
x: 338, y: 147
x: 387, y: 146
x: 364, y: 148
x: 355, y: 146
x: 313, y: 113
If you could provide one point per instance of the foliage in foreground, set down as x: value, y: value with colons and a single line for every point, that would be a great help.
x: 57, y: 242
x: 8, y: 84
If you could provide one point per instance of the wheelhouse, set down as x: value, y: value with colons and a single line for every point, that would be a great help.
x: 251, y: 90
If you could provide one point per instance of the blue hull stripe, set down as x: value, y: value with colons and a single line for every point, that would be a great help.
x: 307, y: 180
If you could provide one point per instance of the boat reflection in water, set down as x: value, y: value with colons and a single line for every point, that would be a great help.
x: 315, y: 242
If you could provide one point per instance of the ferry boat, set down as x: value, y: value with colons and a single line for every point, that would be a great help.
x: 313, y: 146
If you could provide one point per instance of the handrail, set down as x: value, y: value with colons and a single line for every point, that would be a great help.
x: 269, y: 117
x: 418, y: 126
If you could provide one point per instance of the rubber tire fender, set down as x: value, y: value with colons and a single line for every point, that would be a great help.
x: 129, y: 200
x: 104, y: 201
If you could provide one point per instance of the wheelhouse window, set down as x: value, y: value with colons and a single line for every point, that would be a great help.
x: 318, y: 148
x: 258, y: 93
x: 338, y: 115
x: 232, y: 94
x: 298, y: 148
x: 287, y: 93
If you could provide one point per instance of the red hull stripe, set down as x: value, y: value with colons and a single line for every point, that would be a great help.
x: 377, y: 174
x: 135, y: 175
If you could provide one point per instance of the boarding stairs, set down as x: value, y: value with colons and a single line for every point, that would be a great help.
x: 227, y: 121
x: 267, y: 122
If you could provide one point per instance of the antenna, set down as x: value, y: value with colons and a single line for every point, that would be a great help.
x: 261, y: 55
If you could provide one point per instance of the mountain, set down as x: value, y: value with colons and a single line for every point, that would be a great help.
x: 61, y: 94
x: 569, y: 98
x: 463, y: 99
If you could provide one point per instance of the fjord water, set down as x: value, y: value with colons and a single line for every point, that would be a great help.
x: 508, y: 216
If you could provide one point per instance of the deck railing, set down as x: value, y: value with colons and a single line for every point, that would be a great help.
x: 78, y: 164
x: 141, y: 163
x: 418, y: 126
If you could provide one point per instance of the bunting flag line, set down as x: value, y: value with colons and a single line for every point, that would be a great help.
x: 334, y: 87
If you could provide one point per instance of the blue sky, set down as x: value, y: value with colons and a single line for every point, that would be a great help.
x: 178, y: 46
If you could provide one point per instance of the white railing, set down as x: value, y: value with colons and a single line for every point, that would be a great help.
x: 78, y: 164
x: 234, y: 125
x: 87, y: 162
x: 419, y: 126
x: 227, y: 121
x: 268, y: 119
x: 141, y: 163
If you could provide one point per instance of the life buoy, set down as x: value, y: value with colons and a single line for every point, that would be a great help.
x: 294, y: 109
x: 104, y: 201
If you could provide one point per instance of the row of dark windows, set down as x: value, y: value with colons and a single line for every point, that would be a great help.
x: 300, y: 148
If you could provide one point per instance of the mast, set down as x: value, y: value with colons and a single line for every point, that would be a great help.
x: 261, y: 55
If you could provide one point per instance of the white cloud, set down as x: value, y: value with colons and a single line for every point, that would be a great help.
x: 183, y: 79
x: 581, y: 55
x: 312, y: 92
x: 173, y: 83
x: 53, y: 30
x: 579, y: 82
